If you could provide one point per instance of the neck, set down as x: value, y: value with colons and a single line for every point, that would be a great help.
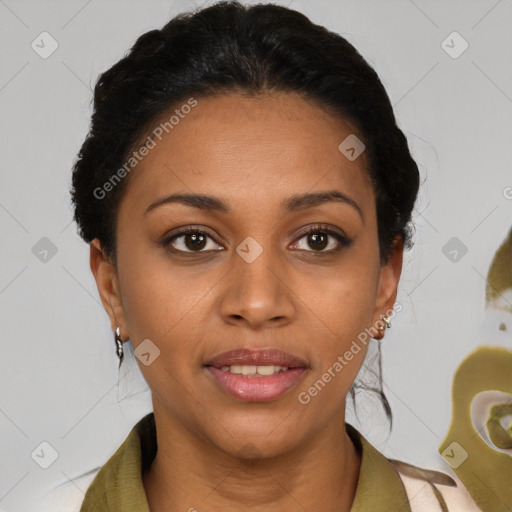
x: 189, y: 473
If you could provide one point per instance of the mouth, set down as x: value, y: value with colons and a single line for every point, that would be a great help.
x: 256, y: 375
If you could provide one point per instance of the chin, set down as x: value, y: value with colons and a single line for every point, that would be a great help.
x: 257, y: 435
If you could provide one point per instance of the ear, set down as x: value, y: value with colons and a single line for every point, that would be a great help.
x: 104, y: 272
x: 388, y: 280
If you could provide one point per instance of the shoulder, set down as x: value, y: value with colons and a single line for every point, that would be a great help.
x: 68, y: 495
x: 429, y: 490
x: 124, y: 465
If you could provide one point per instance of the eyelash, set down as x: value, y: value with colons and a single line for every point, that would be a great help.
x: 320, y: 228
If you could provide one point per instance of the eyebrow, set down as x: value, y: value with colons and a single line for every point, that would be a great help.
x: 292, y: 204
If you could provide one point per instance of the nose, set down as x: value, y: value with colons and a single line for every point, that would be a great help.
x: 257, y: 294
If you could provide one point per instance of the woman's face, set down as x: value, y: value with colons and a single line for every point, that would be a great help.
x: 252, y: 278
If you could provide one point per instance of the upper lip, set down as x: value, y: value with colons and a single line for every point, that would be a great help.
x: 257, y: 357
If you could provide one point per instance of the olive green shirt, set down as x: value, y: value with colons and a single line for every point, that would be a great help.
x: 118, y: 485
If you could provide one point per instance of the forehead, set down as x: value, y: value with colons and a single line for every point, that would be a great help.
x: 254, y: 150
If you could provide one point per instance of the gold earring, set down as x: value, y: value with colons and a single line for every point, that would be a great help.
x: 381, y: 328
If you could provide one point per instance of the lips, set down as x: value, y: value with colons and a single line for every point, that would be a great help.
x: 259, y: 375
x: 257, y: 357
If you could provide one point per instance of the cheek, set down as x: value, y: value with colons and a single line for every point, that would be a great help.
x: 344, y: 299
x: 339, y: 311
x: 156, y: 296
x: 338, y: 345
x: 165, y: 305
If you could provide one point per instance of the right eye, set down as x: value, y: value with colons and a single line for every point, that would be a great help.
x: 193, y: 240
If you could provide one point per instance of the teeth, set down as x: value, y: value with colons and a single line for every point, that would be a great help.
x: 254, y: 371
x: 267, y: 370
x: 248, y: 370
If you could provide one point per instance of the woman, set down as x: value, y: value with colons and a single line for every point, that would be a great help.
x: 247, y: 195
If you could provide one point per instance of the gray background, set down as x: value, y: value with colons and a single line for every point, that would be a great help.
x: 58, y: 369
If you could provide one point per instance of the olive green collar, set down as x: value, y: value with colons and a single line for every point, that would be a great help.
x: 118, y: 485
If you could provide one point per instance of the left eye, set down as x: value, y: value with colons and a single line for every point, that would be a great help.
x: 318, y: 238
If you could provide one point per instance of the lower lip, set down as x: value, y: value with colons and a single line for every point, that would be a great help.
x: 256, y: 389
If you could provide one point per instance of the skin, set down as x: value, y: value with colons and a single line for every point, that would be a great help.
x: 253, y: 153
